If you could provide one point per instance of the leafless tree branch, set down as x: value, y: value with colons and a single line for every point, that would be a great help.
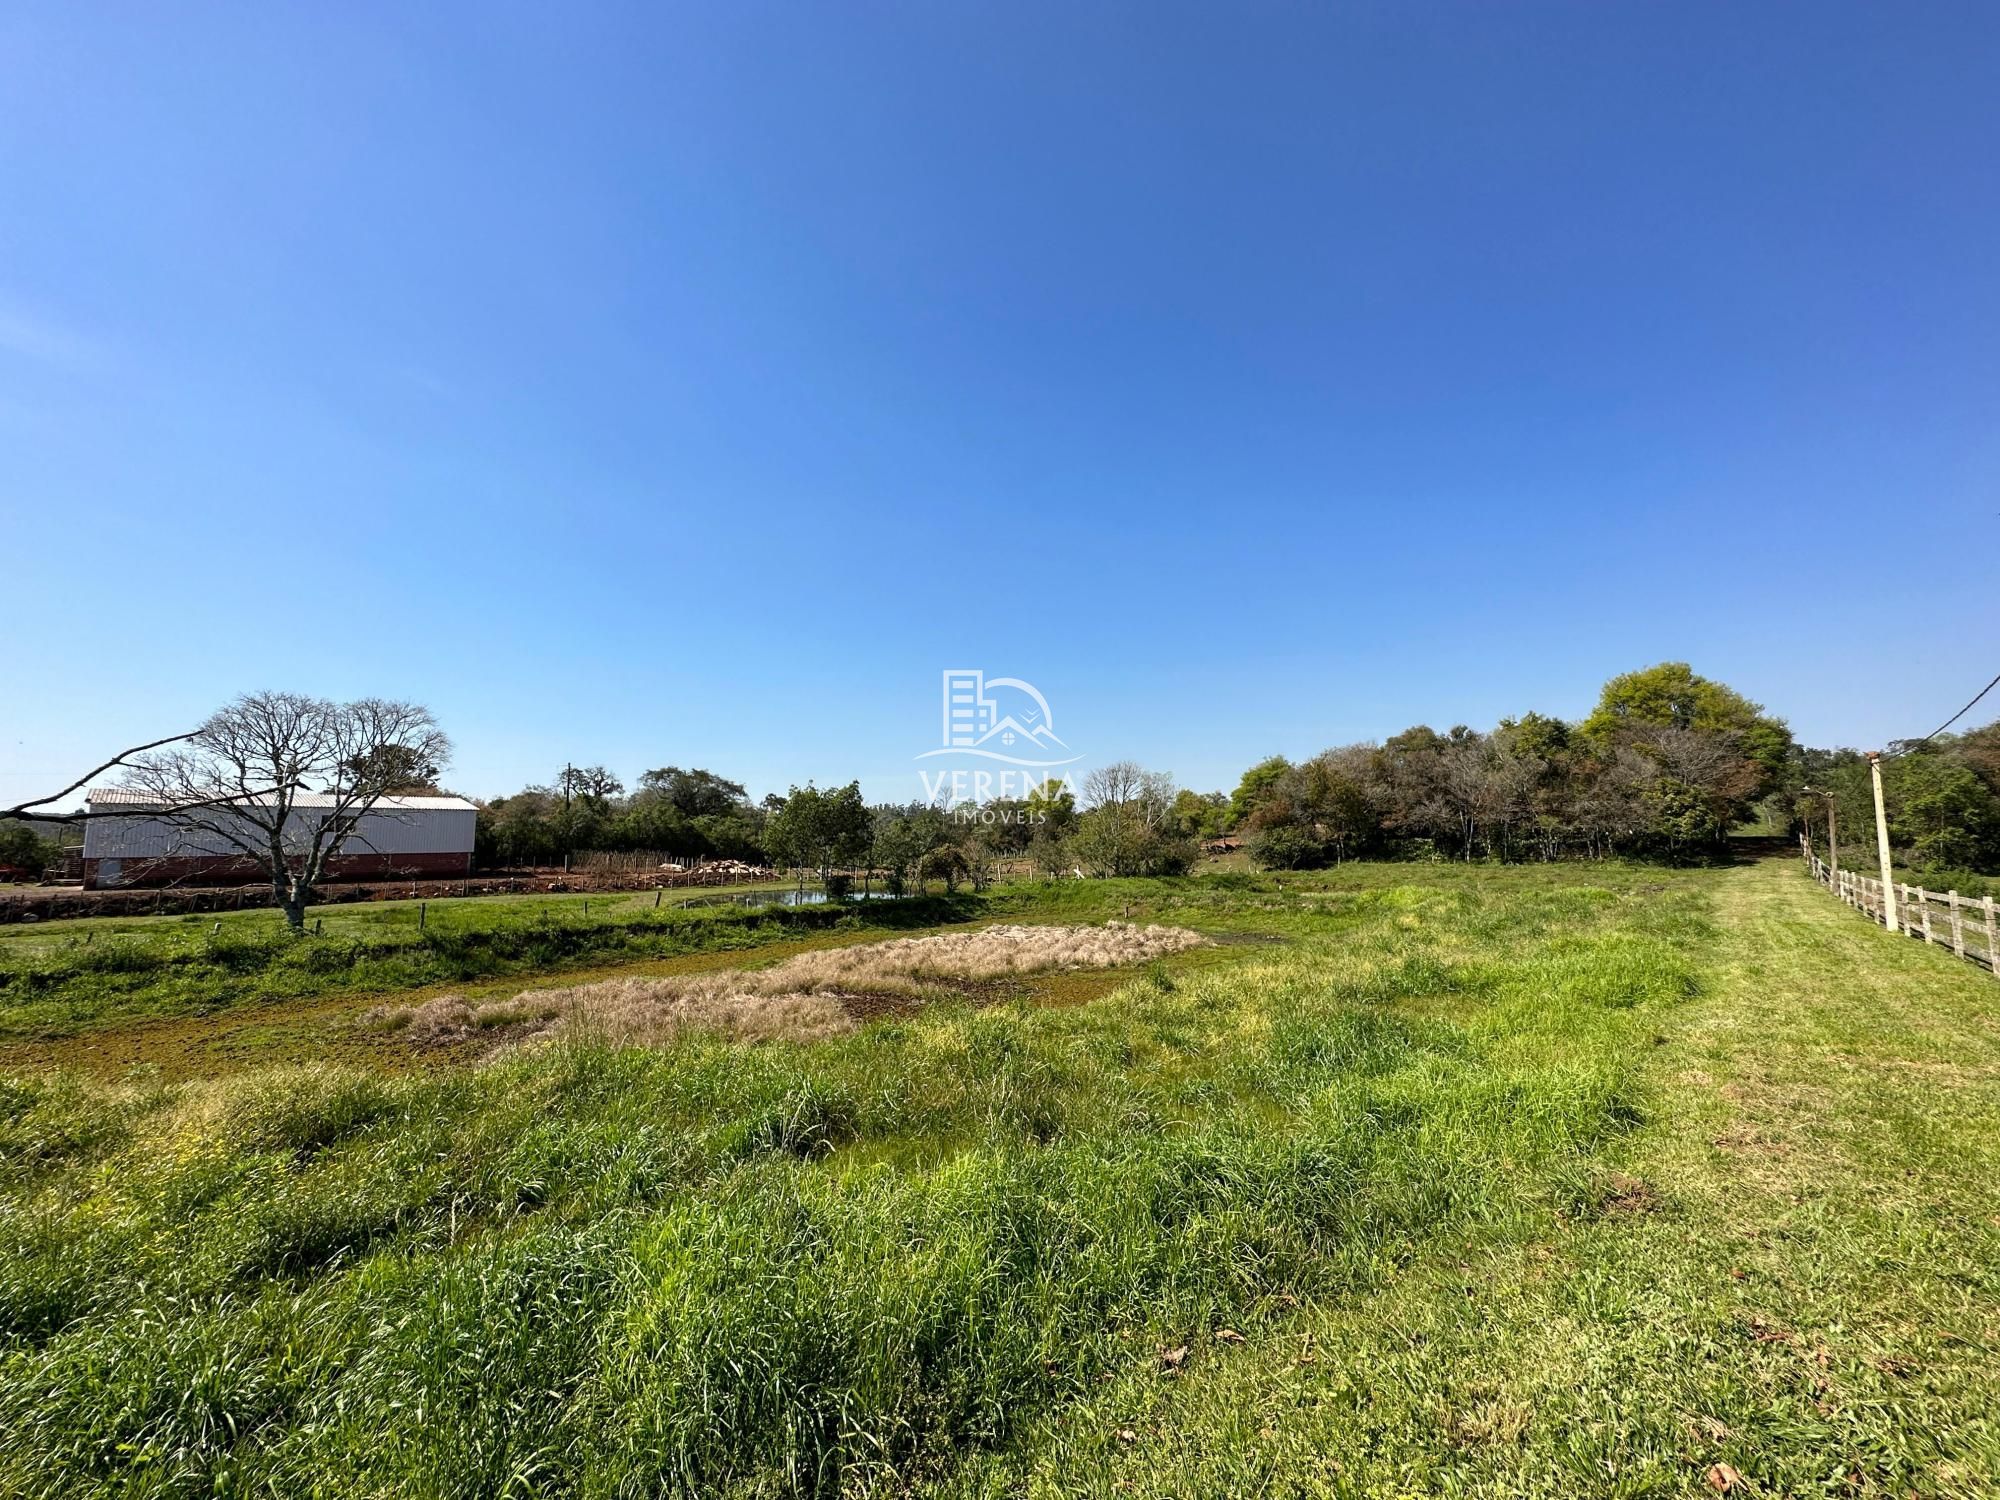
x: 25, y: 809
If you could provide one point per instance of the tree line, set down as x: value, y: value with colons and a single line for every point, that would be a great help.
x: 1664, y: 766
x: 681, y: 813
x: 1941, y: 798
x: 1127, y: 821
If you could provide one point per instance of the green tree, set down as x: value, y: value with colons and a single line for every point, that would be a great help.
x: 25, y: 849
x: 1680, y: 816
x: 1258, y: 783
x: 820, y: 830
x: 1317, y: 812
x: 1673, y: 695
x: 1053, y: 807
x: 1052, y: 814
x: 693, y: 794
x: 1199, y: 815
x: 1940, y: 812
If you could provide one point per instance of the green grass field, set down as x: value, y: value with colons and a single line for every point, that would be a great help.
x: 59, y: 978
x: 1565, y: 1181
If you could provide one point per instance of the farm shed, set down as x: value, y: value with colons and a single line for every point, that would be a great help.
x: 400, y: 837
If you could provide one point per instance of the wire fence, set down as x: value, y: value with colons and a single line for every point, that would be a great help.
x: 1965, y: 925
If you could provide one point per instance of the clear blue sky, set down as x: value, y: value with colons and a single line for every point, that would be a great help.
x: 694, y: 384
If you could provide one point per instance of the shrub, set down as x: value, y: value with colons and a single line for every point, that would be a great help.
x: 1283, y: 847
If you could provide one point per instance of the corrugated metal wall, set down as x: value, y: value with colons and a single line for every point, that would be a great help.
x: 426, y: 830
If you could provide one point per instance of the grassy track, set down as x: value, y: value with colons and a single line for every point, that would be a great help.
x: 1486, y: 1182
x: 1801, y: 1282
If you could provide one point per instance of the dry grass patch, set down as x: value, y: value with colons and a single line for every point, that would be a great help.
x: 624, y: 1010
x: 905, y: 965
x: 804, y: 998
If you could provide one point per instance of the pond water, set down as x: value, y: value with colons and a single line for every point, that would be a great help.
x: 792, y: 897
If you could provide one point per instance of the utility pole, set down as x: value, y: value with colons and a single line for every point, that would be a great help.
x: 1882, y: 844
x: 1832, y: 838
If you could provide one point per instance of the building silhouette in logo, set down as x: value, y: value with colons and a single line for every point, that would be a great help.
x: 968, y: 712
x: 1001, y: 718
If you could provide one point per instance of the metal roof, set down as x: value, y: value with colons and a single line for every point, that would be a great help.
x: 125, y: 796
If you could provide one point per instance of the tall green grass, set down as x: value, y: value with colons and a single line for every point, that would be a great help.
x: 794, y: 1269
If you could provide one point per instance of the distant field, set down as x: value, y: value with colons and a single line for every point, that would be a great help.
x: 58, y: 978
x: 61, y: 978
x: 1412, y: 1179
x: 372, y: 920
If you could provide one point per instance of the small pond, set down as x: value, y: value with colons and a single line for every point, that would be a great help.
x: 792, y: 897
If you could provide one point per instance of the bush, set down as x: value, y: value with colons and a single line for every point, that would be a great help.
x: 1286, y: 848
x: 25, y: 850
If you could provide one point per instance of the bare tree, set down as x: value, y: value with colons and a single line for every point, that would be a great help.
x: 1128, y: 809
x: 593, y: 784
x: 284, y: 780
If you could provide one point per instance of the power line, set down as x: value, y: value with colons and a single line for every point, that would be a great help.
x: 1962, y: 712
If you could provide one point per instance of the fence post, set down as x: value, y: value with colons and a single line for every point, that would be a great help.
x: 1957, y: 927
x: 1992, y: 941
x: 1924, y: 906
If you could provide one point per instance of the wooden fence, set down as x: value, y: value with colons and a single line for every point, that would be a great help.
x: 1965, y: 925
x: 630, y: 859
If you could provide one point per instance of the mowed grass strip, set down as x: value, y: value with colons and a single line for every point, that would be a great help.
x: 857, y: 1264
x: 1785, y: 1282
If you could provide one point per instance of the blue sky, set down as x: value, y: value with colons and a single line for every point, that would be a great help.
x: 693, y: 384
